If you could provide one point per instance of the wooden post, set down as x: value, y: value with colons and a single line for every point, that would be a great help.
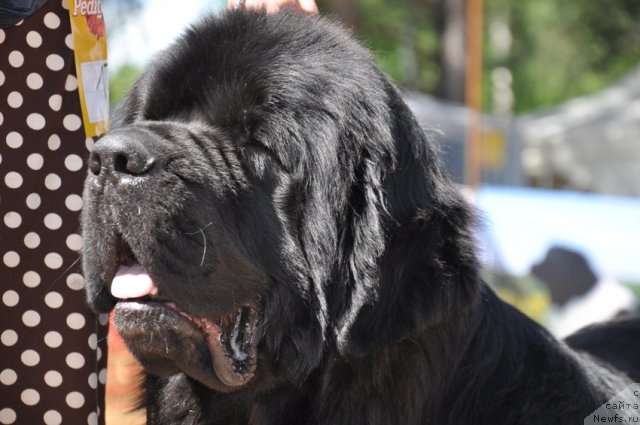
x: 473, y: 93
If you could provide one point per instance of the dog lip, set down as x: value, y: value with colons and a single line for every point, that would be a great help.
x: 235, y: 363
x: 231, y: 339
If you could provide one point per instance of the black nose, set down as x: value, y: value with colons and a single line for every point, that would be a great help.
x: 122, y: 153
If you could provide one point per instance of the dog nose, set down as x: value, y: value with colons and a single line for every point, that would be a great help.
x: 122, y: 154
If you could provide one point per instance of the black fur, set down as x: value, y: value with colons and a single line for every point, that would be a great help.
x: 286, y: 168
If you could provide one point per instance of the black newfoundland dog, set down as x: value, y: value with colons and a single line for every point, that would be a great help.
x: 282, y: 246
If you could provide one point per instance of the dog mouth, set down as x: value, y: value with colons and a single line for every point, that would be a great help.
x: 167, y: 339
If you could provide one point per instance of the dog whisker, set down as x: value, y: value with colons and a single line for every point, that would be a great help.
x: 56, y: 280
x: 204, y: 241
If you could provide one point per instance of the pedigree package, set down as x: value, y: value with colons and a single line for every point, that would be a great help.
x: 90, y: 49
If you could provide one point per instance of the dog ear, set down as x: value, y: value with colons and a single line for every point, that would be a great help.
x: 411, y: 262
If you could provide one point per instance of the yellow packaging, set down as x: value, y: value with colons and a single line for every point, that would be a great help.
x: 90, y: 50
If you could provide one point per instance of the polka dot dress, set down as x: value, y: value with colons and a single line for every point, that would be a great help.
x: 52, y: 348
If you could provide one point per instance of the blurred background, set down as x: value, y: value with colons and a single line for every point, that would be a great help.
x: 535, y: 107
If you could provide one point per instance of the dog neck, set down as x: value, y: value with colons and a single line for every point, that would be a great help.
x: 466, y: 370
x: 471, y: 368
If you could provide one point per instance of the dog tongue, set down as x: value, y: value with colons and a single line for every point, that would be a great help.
x: 131, y: 282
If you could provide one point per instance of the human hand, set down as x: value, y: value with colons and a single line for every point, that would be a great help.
x: 273, y: 6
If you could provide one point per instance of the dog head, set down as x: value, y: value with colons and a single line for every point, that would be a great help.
x: 265, y: 198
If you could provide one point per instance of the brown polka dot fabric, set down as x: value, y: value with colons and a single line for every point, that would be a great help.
x: 52, y: 348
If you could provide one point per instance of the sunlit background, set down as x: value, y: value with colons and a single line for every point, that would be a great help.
x: 551, y: 159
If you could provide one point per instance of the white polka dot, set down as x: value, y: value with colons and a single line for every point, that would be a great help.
x: 34, y: 81
x: 52, y: 221
x: 71, y: 84
x: 33, y: 201
x: 14, y: 139
x: 65, y: 6
x: 16, y: 59
x: 36, y: 121
x: 20, y: 22
x: 93, y: 341
x: 74, y: 242
x: 75, y: 360
x: 32, y: 240
x: 1, y: 118
x: 53, y: 260
x: 54, y: 62
x: 75, y: 321
x: 75, y: 282
x: 98, y: 354
x: 12, y: 220
x: 53, y: 378
x: 9, y: 338
x: 31, y: 318
x: 73, y: 162
x: 34, y: 39
x: 73, y: 202
x: 55, y: 102
x: 10, y: 298
x: 30, y: 358
x: 92, y: 419
x: 14, y: 99
x: 102, y: 376
x: 2, y: 36
x: 75, y: 400
x: 30, y: 397
x: 71, y: 122
x: 7, y: 415
x: 35, y: 161
x: 53, y: 299
x: 8, y: 377
x: 31, y: 279
x: 93, y: 380
x: 11, y: 259
x: 51, y: 20
x: 53, y: 339
x: 52, y: 417
x: 2, y: 78
x: 68, y: 40
x: 13, y: 180
x: 52, y: 181
x: 54, y: 142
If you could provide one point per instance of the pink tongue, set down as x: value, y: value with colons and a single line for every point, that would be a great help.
x: 131, y: 282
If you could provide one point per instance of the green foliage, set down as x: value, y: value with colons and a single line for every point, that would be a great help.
x: 120, y: 81
x: 561, y: 49
x: 565, y: 49
x: 403, y: 38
